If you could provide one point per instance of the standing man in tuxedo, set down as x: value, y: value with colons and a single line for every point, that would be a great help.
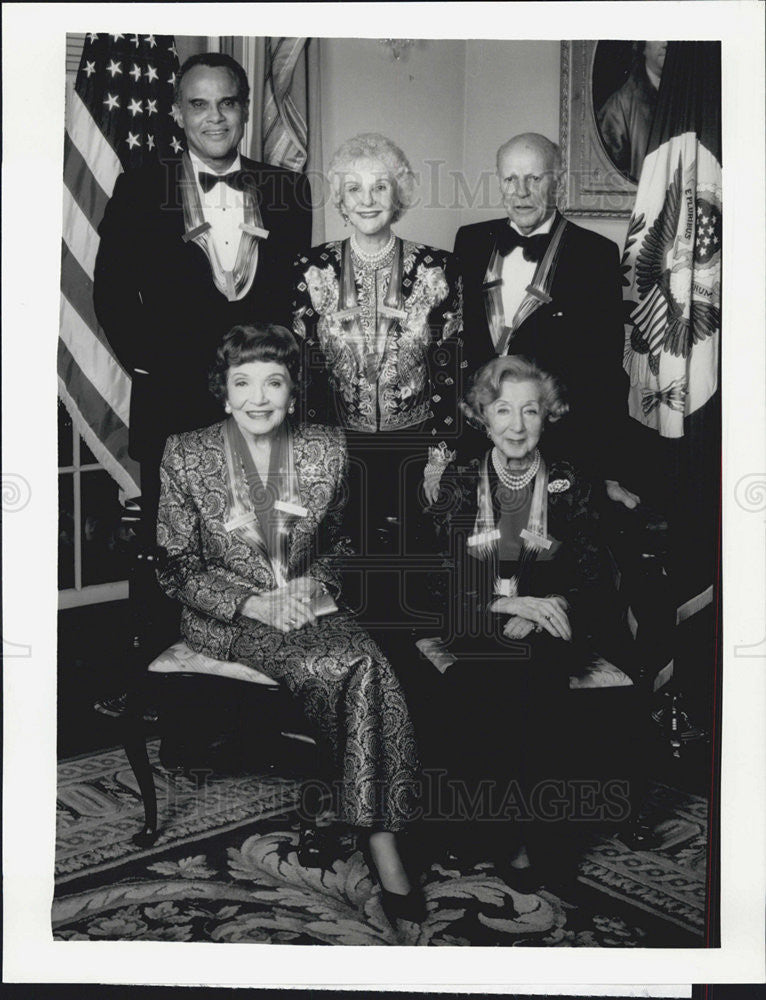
x: 189, y: 248
x: 538, y: 285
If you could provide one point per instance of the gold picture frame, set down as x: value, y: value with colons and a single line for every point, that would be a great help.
x: 593, y: 184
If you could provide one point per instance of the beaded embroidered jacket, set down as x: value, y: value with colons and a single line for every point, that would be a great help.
x: 418, y: 382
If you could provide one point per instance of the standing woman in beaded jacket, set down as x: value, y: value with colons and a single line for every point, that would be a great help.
x: 380, y: 319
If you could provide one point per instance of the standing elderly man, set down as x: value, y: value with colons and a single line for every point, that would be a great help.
x: 189, y: 248
x: 538, y: 285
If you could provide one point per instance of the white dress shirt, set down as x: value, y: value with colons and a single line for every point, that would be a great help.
x: 518, y: 272
x: 223, y: 208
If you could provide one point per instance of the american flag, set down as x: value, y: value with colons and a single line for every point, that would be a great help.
x: 119, y: 117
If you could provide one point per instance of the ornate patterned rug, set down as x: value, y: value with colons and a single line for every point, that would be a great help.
x: 225, y: 869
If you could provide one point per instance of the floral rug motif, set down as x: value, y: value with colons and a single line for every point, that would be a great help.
x: 225, y: 868
x: 99, y: 808
x: 258, y: 892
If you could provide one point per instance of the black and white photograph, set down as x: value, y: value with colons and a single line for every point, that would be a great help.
x: 391, y: 482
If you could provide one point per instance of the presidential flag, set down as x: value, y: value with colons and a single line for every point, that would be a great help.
x: 672, y: 258
x: 119, y: 117
x: 672, y: 266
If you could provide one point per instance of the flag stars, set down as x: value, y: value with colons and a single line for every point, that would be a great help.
x: 117, y: 37
x: 114, y: 68
x: 172, y: 49
x: 136, y: 40
x: 149, y: 141
x: 149, y: 39
x: 92, y: 37
x: 112, y: 102
x: 151, y: 73
x: 90, y: 68
x: 133, y: 141
x: 151, y: 107
x: 177, y: 147
x: 135, y: 72
x: 172, y: 80
x: 135, y: 108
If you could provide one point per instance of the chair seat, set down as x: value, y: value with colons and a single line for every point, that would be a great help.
x: 180, y: 659
x: 600, y: 674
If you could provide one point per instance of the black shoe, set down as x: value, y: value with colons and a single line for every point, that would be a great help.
x: 316, y: 847
x: 117, y: 708
x: 396, y: 905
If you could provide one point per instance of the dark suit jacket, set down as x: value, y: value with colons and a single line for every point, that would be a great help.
x: 155, y: 298
x: 579, y: 337
x: 211, y: 570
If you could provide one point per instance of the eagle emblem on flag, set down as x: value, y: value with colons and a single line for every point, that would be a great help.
x: 675, y: 316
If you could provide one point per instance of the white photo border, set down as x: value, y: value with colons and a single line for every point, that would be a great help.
x: 33, y: 75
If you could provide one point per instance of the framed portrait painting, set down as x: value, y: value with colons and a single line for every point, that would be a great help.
x: 597, y: 80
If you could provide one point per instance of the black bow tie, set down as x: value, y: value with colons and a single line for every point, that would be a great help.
x: 533, y: 246
x: 208, y: 181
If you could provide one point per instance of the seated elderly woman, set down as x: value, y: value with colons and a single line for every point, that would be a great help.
x: 249, y: 520
x: 380, y: 319
x: 529, y: 579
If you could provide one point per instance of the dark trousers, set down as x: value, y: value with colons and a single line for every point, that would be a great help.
x: 501, y: 712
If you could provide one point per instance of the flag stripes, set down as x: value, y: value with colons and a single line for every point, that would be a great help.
x: 81, y: 184
x: 103, y: 432
x: 81, y: 238
x: 101, y: 158
x: 124, y: 84
x: 95, y: 359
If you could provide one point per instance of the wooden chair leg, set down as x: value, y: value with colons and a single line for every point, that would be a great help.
x: 134, y: 743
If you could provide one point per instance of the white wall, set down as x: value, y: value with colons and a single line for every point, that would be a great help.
x: 449, y: 105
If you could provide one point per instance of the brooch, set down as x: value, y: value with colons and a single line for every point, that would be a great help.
x: 559, y: 486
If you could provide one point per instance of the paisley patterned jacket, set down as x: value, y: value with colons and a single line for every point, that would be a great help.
x: 418, y: 384
x: 212, y: 571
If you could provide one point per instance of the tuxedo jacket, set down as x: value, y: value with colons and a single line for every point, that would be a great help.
x: 578, y: 337
x: 156, y: 301
x: 210, y: 570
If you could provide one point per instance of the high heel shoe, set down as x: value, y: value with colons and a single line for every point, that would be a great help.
x: 396, y: 905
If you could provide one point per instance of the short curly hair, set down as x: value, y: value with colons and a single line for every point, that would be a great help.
x: 215, y: 60
x: 486, y: 386
x: 373, y: 146
x: 243, y: 344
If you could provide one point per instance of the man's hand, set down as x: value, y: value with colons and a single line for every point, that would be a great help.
x: 544, y: 612
x: 620, y: 495
x: 281, y: 608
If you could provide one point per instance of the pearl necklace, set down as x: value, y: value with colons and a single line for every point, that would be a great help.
x: 508, y: 478
x: 377, y: 257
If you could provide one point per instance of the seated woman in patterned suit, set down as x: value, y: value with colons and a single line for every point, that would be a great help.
x: 249, y: 518
x: 380, y: 319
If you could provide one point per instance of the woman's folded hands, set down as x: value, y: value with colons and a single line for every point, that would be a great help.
x: 286, y: 608
x: 534, y: 613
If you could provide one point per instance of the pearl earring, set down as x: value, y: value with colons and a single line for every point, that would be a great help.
x: 291, y: 408
x: 227, y: 407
